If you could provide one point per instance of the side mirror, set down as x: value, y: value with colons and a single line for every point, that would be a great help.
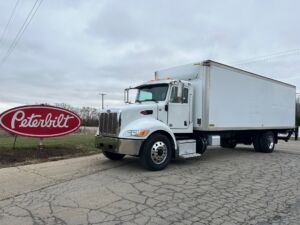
x: 129, y: 95
x: 180, y: 90
x: 126, y: 95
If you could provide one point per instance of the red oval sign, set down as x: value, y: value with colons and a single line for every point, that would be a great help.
x: 42, y: 121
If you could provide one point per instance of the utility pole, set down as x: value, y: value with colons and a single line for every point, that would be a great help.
x: 102, y: 96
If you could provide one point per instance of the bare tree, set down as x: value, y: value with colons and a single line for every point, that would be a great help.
x: 88, y: 115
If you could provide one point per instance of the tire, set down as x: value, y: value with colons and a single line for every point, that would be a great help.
x: 156, y: 152
x: 113, y: 156
x: 264, y: 142
x: 256, y: 143
x: 201, y: 145
x: 227, y: 143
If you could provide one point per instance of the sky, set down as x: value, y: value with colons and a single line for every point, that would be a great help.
x: 74, y: 49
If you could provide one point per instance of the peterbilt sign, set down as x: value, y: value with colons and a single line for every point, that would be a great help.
x: 42, y: 121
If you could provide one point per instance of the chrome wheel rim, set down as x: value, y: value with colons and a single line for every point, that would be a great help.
x: 270, y: 142
x: 159, y: 152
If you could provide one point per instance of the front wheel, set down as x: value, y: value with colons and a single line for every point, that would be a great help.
x: 113, y: 156
x: 156, y: 152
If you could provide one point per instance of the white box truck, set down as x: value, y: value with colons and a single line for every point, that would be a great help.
x: 175, y: 114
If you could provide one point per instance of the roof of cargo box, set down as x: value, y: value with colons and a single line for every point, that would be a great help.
x: 208, y: 62
x: 191, y: 71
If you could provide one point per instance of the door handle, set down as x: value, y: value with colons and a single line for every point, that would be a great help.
x: 185, y: 123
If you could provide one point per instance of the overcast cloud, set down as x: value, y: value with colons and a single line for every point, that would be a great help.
x: 72, y: 50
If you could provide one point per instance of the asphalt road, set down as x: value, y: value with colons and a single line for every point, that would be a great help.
x: 222, y: 187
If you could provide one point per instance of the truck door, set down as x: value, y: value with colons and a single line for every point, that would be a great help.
x: 179, y: 110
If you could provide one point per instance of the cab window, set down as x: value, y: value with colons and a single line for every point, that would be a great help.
x: 156, y: 92
x: 145, y: 95
x: 175, y: 99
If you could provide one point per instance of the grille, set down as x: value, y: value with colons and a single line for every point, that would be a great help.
x: 109, y: 124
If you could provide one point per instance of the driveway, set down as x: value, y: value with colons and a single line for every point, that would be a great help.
x: 224, y: 186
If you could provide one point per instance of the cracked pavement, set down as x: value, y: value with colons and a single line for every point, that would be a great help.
x: 224, y: 186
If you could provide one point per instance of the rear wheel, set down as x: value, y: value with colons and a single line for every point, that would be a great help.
x: 227, y: 143
x: 113, y: 156
x: 156, y: 152
x: 264, y: 142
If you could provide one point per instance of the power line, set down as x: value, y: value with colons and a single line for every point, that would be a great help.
x: 268, y: 57
x: 8, y: 22
x: 23, y: 28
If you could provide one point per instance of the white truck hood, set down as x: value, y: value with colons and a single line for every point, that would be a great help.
x: 134, y: 111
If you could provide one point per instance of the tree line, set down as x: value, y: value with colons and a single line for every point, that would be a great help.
x: 88, y: 115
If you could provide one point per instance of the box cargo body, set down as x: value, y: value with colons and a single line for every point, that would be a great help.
x: 227, y: 98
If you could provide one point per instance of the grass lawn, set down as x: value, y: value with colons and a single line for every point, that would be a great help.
x: 26, y: 149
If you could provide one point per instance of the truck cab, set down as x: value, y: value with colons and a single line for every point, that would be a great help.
x: 171, y: 101
x: 149, y: 127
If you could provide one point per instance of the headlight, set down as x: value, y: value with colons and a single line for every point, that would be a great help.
x: 138, y: 133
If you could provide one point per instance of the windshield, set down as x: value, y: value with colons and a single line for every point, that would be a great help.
x: 152, y: 93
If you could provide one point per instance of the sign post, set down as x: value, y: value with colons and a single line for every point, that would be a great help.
x: 41, y: 144
x: 15, y: 140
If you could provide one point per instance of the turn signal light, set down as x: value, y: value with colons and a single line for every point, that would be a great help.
x: 142, y: 133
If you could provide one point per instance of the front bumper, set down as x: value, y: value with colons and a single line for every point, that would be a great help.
x: 117, y: 145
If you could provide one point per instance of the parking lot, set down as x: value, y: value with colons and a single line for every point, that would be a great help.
x: 223, y: 187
